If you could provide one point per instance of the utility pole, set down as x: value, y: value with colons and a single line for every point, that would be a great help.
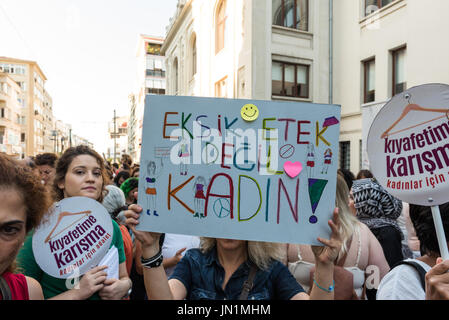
x: 115, y: 136
x: 70, y: 138
x: 54, y: 134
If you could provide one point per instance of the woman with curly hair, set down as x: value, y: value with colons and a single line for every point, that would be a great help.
x: 46, y: 163
x: 220, y: 268
x: 24, y: 201
x: 80, y: 172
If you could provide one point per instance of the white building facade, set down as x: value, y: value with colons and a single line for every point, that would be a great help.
x: 234, y: 49
x: 357, y: 54
x: 151, y: 74
x: 394, y: 45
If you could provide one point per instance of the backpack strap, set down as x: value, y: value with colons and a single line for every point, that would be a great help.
x: 418, y: 268
x: 5, y: 290
x: 248, y: 284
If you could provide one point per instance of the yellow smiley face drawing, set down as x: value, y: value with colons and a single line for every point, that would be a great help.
x: 249, y: 112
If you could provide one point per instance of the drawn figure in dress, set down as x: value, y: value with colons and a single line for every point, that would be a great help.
x: 327, y: 160
x: 184, y: 154
x: 200, y: 199
x: 150, y: 188
x: 310, y: 159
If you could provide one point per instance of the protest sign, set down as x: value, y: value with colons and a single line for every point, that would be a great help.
x: 408, y: 149
x: 408, y: 145
x: 238, y: 169
x: 73, y: 238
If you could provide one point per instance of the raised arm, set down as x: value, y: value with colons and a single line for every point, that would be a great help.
x: 156, y: 283
x: 325, y: 256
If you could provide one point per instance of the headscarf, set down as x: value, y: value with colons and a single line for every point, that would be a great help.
x: 114, y: 202
x: 129, y: 184
x: 375, y: 206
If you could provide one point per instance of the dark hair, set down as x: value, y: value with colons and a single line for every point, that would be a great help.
x: 64, y: 162
x: 134, y: 170
x: 15, y: 176
x: 122, y: 174
x: 126, y: 158
x: 363, y: 174
x: 348, y: 176
x: 109, y: 171
x: 115, y: 165
x: 421, y: 217
x: 46, y: 159
x: 20, y: 177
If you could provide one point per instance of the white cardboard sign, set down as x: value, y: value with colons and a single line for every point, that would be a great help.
x: 74, y: 238
x: 408, y: 145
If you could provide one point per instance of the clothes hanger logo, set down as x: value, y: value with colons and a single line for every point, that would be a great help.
x: 413, y: 107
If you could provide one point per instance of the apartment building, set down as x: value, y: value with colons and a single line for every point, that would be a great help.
x: 61, y: 137
x: 382, y: 48
x: 36, y: 104
x: 151, y: 80
x: 132, y: 128
x: 118, y: 132
x: 249, y: 49
x: 357, y: 54
x: 10, y: 116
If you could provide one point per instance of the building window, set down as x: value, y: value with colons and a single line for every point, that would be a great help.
x: 220, y: 26
x: 290, y: 80
x: 374, y: 5
x: 155, y: 73
x: 220, y: 88
x: 345, y: 155
x: 369, y: 81
x: 155, y: 91
x: 399, y: 83
x: 291, y: 14
x: 154, y: 49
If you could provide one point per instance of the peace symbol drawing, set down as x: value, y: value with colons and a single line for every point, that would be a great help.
x: 222, y: 207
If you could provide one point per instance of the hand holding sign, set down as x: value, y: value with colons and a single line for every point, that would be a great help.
x: 329, y: 252
x: 149, y: 240
x: 91, y: 282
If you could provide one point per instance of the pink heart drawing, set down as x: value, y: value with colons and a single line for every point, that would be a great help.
x: 292, y: 168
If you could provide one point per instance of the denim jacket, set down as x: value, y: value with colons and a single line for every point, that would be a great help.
x: 203, y: 275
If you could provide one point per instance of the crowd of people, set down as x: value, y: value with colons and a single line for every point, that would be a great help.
x: 379, y: 247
